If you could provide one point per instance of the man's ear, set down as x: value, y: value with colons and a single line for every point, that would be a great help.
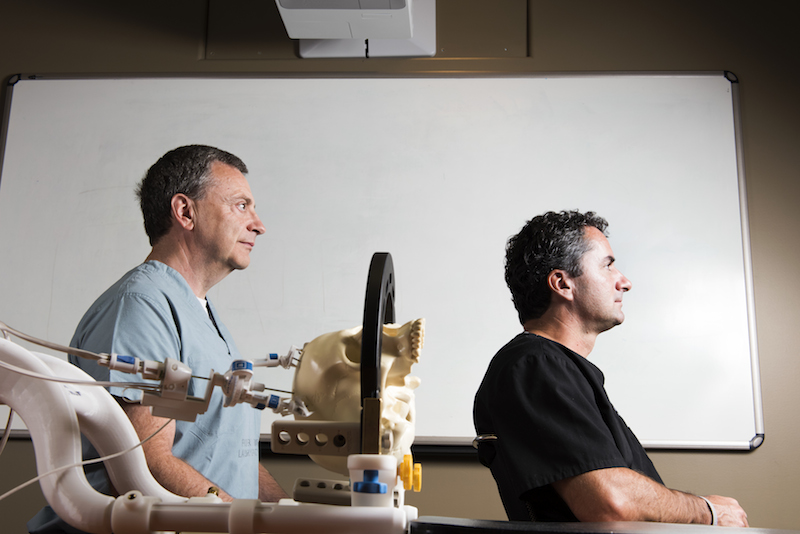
x: 183, y: 210
x: 560, y: 283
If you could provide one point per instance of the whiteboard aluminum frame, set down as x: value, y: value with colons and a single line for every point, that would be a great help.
x: 755, y: 442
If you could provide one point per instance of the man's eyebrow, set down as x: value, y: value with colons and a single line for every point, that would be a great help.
x: 242, y: 197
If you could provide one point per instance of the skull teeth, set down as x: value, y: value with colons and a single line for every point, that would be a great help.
x: 417, y: 335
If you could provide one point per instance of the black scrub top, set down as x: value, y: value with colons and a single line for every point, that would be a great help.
x: 548, y: 407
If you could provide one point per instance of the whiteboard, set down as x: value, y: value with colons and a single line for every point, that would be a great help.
x: 439, y: 172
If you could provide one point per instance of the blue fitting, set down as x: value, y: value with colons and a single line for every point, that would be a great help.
x: 370, y: 483
x: 238, y: 365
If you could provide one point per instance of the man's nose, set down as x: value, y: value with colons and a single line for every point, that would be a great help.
x: 624, y: 283
x: 256, y: 225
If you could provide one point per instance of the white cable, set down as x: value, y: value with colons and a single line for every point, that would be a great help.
x: 84, y: 462
x: 54, y: 346
x: 33, y: 374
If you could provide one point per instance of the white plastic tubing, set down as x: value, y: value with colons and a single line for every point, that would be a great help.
x: 51, y: 420
x: 55, y: 415
x: 134, y: 514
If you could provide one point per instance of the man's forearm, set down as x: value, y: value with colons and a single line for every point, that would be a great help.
x: 268, y: 489
x: 673, y: 506
x: 620, y: 494
x: 181, y: 478
x: 170, y: 471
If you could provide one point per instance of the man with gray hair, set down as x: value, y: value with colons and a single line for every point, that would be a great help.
x: 200, y: 218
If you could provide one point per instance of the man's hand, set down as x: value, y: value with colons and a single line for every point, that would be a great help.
x: 729, y: 513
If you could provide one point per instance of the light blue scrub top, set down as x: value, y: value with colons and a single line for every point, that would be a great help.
x: 152, y: 313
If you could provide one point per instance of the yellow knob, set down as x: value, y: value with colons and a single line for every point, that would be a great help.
x: 417, y: 477
x: 406, y: 472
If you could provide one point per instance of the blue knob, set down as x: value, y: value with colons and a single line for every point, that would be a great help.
x: 370, y: 483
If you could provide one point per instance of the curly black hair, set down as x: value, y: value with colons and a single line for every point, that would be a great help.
x: 546, y: 242
x: 183, y: 170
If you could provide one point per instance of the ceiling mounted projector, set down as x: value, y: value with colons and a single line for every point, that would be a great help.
x: 361, y: 28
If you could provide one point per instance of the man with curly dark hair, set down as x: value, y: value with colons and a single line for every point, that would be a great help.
x: 556, y: 446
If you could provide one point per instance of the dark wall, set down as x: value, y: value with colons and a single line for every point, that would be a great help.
x: 756, y: 41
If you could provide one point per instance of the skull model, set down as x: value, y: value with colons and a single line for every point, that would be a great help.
x: 328, y: 381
